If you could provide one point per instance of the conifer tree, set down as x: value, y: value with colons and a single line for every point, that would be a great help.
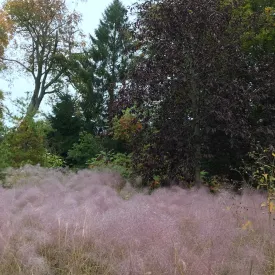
x: 66, y: 125
x: 109, y: 50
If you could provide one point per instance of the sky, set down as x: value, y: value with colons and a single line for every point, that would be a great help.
x: 91, y: 11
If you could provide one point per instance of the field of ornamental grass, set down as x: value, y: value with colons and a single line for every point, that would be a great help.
x: 55, y: 223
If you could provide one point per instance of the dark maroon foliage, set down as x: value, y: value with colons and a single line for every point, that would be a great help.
x: 195, y: 88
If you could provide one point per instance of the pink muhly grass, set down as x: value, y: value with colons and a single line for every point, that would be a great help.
x: 92, y: 223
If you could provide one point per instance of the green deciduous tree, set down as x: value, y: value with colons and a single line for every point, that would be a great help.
x: 6, y: 31
x: 5, y: 154
x: 26, y: 143
x: 256, y: 23
x: 43, y: 31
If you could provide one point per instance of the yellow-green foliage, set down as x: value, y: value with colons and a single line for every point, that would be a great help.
x: 118, y: 162
x: 256, y: 24
x: 53, y: 161
x: 263, y: 171
x: 27, y: 143
x: 261, y: 174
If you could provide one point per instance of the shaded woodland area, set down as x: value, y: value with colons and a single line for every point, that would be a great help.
x: 183, y: 93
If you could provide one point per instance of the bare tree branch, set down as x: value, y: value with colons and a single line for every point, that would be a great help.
x: 20, y: 63
x: 51, y: 92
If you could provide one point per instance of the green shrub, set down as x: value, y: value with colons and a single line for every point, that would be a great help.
x: 53, y: 161
x: 87, y: 147
x: 118, y: 162
x: 5, y: 154
x: 260, y: 170
x: 26, y: 143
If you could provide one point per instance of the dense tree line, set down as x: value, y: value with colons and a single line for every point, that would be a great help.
x: 184, y: 88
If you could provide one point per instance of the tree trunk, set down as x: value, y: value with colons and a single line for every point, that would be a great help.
x: 197, y: 155
x: 111, y: 96
x: 113, y: 76
x: 34, y: 105
x: 195, y: 96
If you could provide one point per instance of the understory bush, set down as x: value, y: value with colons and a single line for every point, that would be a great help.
x: 126, y: 126
x: 25, y: 144
x: 53, y: 161
x: 87, y: 147
x: 118, y: 162
x: 53, y: 222
x: 259, y: 172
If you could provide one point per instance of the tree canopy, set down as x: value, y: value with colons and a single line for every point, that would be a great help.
x: 43, y: 31
x: 197, y: 72
x: 183, y: 90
